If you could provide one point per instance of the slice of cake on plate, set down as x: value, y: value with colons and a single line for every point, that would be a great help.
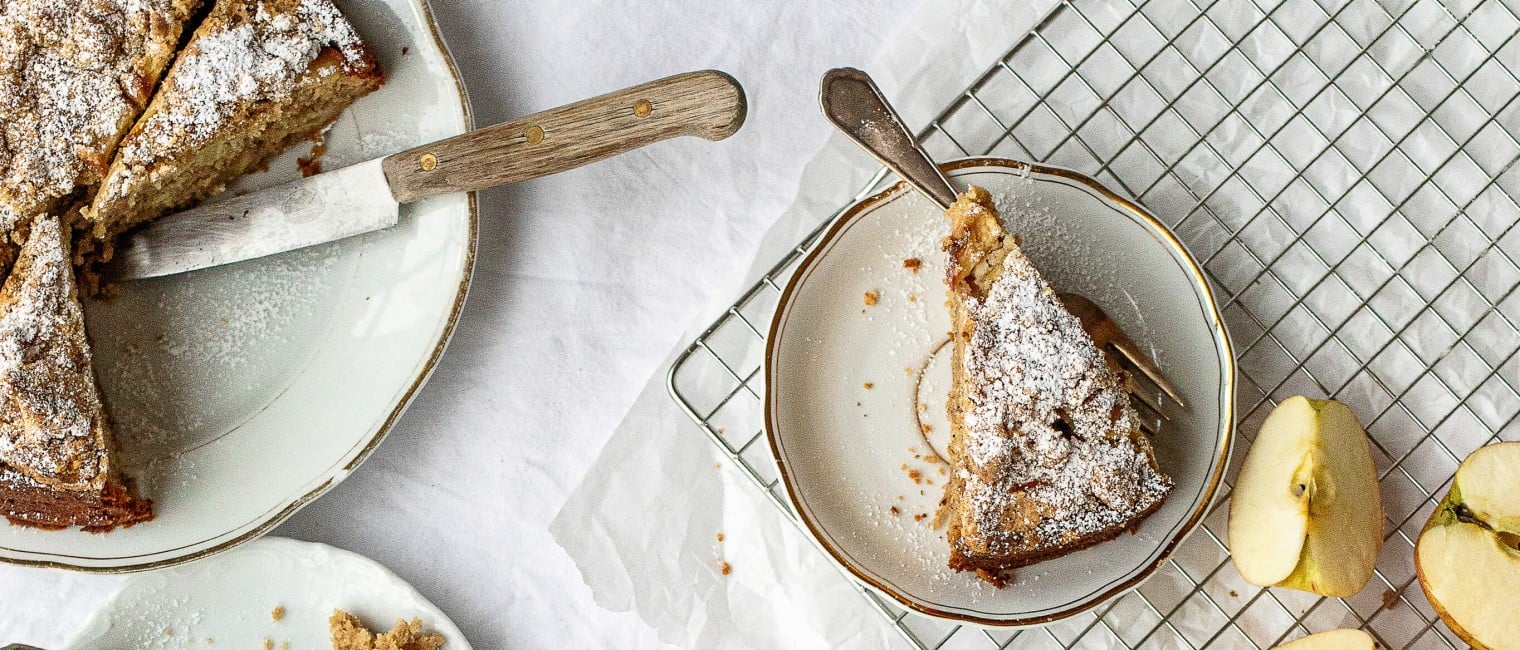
x: 56, y: 466
x: 257, y: 77
x: 74, y: 76
x: 1046, y: 452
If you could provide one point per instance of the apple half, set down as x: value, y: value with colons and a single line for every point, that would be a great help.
x: 1467, y: 556
x: 1306, y: 513
x: 1332, y: 640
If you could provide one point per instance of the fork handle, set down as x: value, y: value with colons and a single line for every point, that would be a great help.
x: 854, y: 104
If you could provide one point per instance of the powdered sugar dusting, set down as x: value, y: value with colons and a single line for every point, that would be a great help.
x: 258, y: 60
x: 50, y: 423
x: 1051, y: 442
x: 72, y: 75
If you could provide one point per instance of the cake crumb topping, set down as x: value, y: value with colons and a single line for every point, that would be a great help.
x: 349, y: 634
x: 51, y: 428
x: 256, y: 61
x: 73, y: 76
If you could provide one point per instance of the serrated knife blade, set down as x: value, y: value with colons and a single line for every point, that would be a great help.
x: 367, y: 196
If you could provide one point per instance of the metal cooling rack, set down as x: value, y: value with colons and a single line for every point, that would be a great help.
x: 1347, y: 176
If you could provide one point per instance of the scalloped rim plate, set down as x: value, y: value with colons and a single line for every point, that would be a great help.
x: 229, y: 601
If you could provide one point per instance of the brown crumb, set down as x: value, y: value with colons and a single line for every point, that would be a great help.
x: 912, y: 264
x: 932, y: 460
x: 895, y: 511
x: 277, y: 614
x: 349, y: 634
x: 920, y: 516
x: 1390, y: 599
x: 912, y: 297
x: 916, y: 475
x: 872, y: 297
x: 727, y: 568
x: 405, y: 50
x: 720, y: 537
x: 311, y: 165
x: 926, y: 428
x: 869, y: 385
x: 1233, y: 594
x: 268, y: 643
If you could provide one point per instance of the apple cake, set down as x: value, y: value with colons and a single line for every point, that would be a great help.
x: 1046, y: 452
x: 257, y: 77
x: 74, y: 75
x: 56, y: 468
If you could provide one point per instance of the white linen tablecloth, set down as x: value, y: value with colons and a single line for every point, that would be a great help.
x: 583, y: 283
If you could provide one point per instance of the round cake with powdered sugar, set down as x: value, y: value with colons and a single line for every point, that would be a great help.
x: 255, y: 78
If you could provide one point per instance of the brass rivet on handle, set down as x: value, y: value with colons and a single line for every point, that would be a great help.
x: 428, y: 161
x: 534, y: 135
x: 643, y: 108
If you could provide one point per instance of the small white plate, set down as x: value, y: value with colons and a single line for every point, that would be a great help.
x: 852, y: 456
x: 243, y: 392
x: 228, y: 601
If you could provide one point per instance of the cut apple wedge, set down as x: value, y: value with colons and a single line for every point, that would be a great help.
x: 1332, y: 640
x: 1467, y: 558
x: 1306, y: 513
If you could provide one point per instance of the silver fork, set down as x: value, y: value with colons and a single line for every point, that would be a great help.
x: 853, y: 103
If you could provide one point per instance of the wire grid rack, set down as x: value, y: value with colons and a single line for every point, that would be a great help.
x: 1347, y: 176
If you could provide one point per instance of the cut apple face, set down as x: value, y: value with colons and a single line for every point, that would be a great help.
x: 1306, y: 512
x: 1467, y: 558
x: 1332, y: 640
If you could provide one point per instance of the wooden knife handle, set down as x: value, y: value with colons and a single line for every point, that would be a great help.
x: 708, y: 104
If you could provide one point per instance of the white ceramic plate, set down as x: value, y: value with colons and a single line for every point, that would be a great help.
x: 853, y: 458
x: 228, y: 601
x: 241, y: 393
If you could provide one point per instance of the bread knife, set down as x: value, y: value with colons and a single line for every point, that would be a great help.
x: 367, y: 196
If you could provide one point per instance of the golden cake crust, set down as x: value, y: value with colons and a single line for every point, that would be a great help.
x: 1046, y: 452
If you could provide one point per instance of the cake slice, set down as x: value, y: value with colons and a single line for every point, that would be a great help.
x: 1046, y: 452
x: 74, y: 76
x: 257, y: 77
x: 55, y: 441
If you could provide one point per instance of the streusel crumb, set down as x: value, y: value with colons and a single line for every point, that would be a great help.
x: 350, y: 634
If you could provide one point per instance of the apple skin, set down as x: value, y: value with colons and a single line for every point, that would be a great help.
x: 1332, y: 640
x: 1469, y: 571
x: 1306, y: 513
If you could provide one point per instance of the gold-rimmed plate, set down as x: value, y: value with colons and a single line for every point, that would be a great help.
x: 242, y: 393
x: 852, y: 386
